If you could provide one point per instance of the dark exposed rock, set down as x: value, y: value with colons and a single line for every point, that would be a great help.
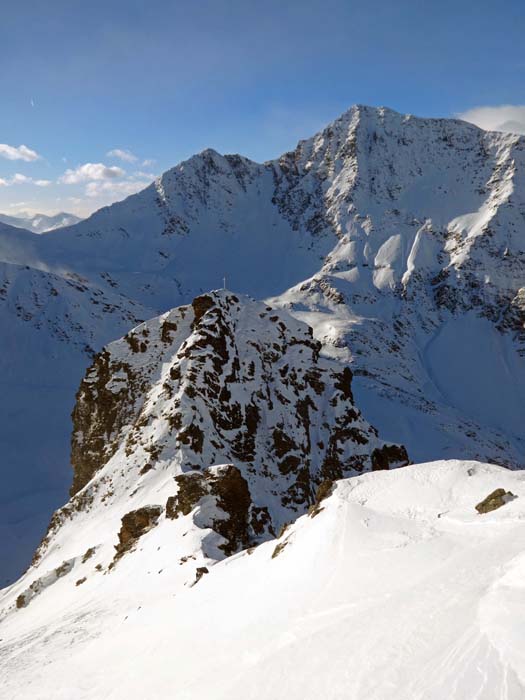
x: 323, y: 491
x: 167, y: 329
x: 192, y: 487
x: 99, y: 412
x: 343, y: 382
x: 232, y: 496
x: 279, y: 547
x: 200, y: 306
x: 199, y: 573
x: 494, y: 500
x: 389, y: 456
x: 193, y: 436
x: 135, y: 524
x: 88, y: 554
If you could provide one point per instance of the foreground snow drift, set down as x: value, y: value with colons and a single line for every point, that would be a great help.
x: 396, y: 589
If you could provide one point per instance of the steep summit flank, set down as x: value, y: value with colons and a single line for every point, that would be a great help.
x: 424, y: 291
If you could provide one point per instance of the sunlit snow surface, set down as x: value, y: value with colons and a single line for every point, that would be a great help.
x: 396, y: 590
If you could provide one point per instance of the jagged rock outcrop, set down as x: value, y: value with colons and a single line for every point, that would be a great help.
x: 238, y: 522
x: 225, y: 380
x: 225, y: 411
x: 495, y: 500
x: 134, y: 525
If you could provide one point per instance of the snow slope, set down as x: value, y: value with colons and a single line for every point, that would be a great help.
x: 396, y: 589
x: 386, y: 233
x: 50, y: 326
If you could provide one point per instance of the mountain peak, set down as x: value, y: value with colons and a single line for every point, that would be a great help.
x: 222, y: 381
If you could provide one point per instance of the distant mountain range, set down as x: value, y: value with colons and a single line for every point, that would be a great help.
x: 40, y: 223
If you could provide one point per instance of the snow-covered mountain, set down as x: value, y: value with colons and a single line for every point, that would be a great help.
x: 394, y: 588
x: 40, y: 223
x: 400, y: 241
x: 226, y: 404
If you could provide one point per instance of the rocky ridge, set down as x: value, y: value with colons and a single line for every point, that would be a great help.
x: 223, y: 413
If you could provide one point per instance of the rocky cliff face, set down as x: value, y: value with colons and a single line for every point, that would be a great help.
x: 223, y: 381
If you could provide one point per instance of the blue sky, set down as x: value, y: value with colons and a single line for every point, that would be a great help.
x: 162, y: 80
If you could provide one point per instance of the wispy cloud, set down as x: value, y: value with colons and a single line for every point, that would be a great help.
x: 122, y: 154
x: 148, y: 162
x: 114, y: 189
x: 90, y: 172
x: 501, y: 118
x: 19, y: 179
x: 144, y: 175
x: 18, y: 153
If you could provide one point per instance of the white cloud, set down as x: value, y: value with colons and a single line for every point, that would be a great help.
x: 18, y: 153
x: 114, y: 189
x: 122, y: 154
x: 502, y: 118
x: 148, y: 163
x: 144, y: 175
x: 90, y: 172
x: 19, y: 179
